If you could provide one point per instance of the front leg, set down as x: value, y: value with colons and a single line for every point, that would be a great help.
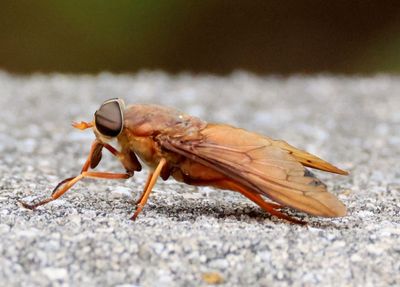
x: 69, y: 182
x: 127, y: 158
x: 92, y: 160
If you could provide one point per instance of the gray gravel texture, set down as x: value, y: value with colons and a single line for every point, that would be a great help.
x: 86, y: 238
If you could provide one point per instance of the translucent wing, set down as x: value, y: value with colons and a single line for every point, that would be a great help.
x: 308, y: 159
x: 263, y: 166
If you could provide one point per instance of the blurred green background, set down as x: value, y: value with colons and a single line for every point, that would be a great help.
x: 200, y: 36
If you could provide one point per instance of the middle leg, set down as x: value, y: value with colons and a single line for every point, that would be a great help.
x: 149, y: 187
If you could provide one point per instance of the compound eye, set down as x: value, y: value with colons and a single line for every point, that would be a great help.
x: 109, y: 118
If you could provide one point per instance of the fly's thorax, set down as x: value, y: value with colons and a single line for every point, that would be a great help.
x: 145, y: 124
x: 150, y: 120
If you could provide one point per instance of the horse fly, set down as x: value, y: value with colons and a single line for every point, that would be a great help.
x: 198, y: 153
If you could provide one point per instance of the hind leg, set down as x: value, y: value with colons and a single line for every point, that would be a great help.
x: 257, y: 199
x: 221, y: 183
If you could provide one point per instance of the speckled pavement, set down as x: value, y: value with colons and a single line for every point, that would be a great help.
x: 189, y: 236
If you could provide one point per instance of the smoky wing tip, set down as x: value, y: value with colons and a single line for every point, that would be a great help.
x: 342, y: 213
x: 341, y: 171
x: 345, y: 172
x: 339, y: 212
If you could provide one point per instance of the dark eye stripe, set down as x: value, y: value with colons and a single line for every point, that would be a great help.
x: 105, y: 119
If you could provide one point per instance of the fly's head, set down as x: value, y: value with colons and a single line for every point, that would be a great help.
x: 108, y: 124
x: 109, y: 120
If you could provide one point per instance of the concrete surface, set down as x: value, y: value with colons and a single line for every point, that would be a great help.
x: 189, y: 236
